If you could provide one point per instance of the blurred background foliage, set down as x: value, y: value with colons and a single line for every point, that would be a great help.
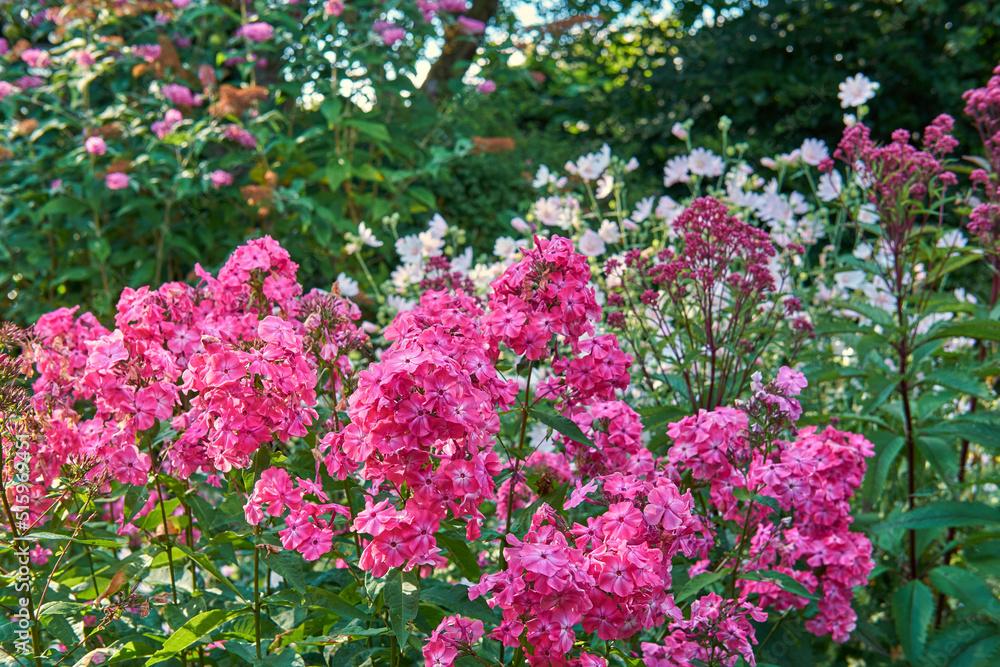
x: 570, y: 76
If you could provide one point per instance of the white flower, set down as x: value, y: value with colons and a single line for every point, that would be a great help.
x: 813, y: 151
x: 591, y: 166
x: 609, y: 231
x: 437, y: 226
x: 667, y: 209
x: 850, y: 279
x: 953, y: 238
x: 542, y: 177
x: 863, y: 251
x: 520, y: 225
x: 867, y: 214
x: 810, y: 230
x: 348, y: 286
x: 850, y: 120
x: 399, y: 304
x: 591, y: 244
x: 432, y: 245
x: 462, y: 263
x: 549, y: 211
x: 631, y: 166
x: 643, y: 208
x: 405, y: 275
x: 878, y: 295
x: 368, y: 236
x: 507, y: 248
x: 824, y: 293
x: 678, y: 131
x: 830, y: 186
x: 676, y: 171
x: 964, y: 296
x: 703, y: 162
x: 957, y: 344
x: 856, y: 90
x: 410, y: 248
x: 605, y: 184
x: 482, y: 275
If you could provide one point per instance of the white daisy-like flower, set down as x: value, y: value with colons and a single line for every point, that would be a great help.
x: 643, y: 208
x: 676, y: 171
x: 830, y: 186
x: 437, y: 226
x: 850, y: 279
x: 591, y: 244
x: 591, y: 166
x: 609, y: 231
x: 348, y: 286
x: 856, y: 90
x: 605, y: 185
x: 410, y: 248
x: 813, y: 151
x: 703, y: 162
x: 953, y: 238
x: 367, y: 236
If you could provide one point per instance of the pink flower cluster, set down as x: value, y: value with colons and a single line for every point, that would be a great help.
x: 898, y: 176
x: 424, y: 417
x: 811, y: 478
x: 983, y: 106
x: 453, y: 637
x: 611, y: 576
x: 306, y: 530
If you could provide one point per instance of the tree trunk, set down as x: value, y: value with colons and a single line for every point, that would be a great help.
x: 458, y: 47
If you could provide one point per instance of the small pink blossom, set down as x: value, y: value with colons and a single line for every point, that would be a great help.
x: 147, y: 52
x: 471, y: 26
x: 181, y: 95
x: 117, y: 181
x: 221, y: 178
x: 256, y: 32
x: 95, y: 146
x: 487, y: 86
x: 83, y: 58
x: 36, y: 58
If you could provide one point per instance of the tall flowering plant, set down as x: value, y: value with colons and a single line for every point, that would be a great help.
x: 124, y: 123
x: 231, y: 471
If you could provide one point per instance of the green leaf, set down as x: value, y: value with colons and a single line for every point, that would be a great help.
x: 331, y: 109
x: 979, y: 329
x: 561, y: 425
x: 135, y: 498
x: 402, y: 594
x: 912, y: 608
x: 460, y: 554
x: 337, y: 173
x: 322, y: 598
x: 944, y: 514
x: 884, y: 459
x: 782, y: 580
x: 455, y: 598
x: 94, y: 542
x: 207, y: 565
x: 699, y: 581
x: 967, y: 427
x: 959, y: 381
x: 969, y: 589
x: 192, y: 631
x: 873, y: 313
x: 289, y: 565
x: 376, y: 131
